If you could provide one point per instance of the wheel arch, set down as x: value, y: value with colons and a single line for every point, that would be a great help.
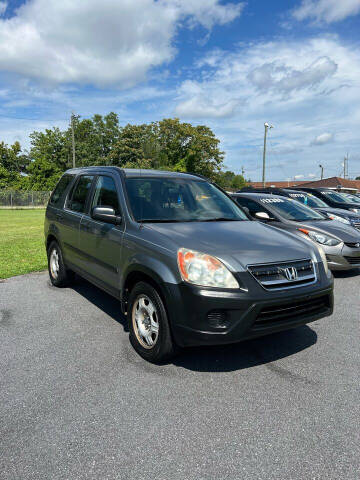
x: 141, y: 273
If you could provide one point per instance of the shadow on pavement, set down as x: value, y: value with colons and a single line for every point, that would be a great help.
x: 346, y: 273
x: 104, y: 301
x: 227, y: 358
x: 224, y: 358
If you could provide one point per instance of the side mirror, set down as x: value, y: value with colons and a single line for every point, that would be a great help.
x: 262, y: 216
x: 106, y: 215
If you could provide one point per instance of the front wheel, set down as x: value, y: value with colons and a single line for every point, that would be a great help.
x: 148, y: 324
x: 59, y: 275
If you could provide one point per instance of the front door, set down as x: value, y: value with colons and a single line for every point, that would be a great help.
x: 100, y: 242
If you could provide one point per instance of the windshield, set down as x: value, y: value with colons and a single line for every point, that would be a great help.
x: 292, y: 209
x: 179, y: 200
x: 309, y: 200
x: 337, y: 197
x: 352, y: 198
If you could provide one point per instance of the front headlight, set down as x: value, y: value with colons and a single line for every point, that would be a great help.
x: 323, y: 258
x: 321, y: 238
x: 339, y: 219
x: 201, y: 269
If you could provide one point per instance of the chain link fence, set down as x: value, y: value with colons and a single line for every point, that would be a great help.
x: 18, y: 199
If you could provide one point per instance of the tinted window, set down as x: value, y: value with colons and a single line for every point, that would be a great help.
x: 60, y: 189
x: 336, y: 197
x: 105, y: 194
x: 80, y: 193
x: 252, y: 206
x: 291, y: 209
x: 179, y: 200
x: 309, y: 200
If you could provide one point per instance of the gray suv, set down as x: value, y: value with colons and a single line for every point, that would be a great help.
x: 187, y: 264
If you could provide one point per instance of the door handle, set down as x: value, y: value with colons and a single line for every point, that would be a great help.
x: 59, y: 216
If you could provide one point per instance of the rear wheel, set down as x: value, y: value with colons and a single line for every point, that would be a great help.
x: 148, y: 324
x: 59, y: 275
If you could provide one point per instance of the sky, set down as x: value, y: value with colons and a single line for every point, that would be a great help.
x: 231, y: 65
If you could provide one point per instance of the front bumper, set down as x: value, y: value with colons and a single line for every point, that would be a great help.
x: 342, y: 257
x: 207, y: 316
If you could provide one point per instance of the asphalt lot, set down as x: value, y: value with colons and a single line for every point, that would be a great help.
x: 76, y: 402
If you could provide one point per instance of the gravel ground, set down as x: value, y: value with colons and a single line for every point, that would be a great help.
x: 76, y: 402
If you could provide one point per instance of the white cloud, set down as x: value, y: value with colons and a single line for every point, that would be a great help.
x: 326, y: 10
x: 311, y: 175
x: 323, y: 139
x: 283, y: 78
x: 305, y: 88
x: 100, y: 43
x: 297, y: 177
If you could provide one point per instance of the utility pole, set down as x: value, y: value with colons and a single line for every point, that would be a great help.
x: 243, y: 171
x: 267, y: 126
x: 73, y: 138
x: 322, y: 171
x: 346, y: 165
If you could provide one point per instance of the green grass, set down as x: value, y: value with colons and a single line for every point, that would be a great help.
x: 21, y: 242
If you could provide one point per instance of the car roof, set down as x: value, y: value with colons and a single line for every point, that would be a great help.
x: 257, y: 195
x: 135, y: 172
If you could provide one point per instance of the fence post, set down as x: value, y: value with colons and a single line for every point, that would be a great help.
x: 11, y: 199
x: 32, y: 198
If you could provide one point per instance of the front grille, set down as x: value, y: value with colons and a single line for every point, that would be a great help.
x: 276, y: 276
x: 356, y: 225
x: 353, y: 245
x: 269, y: 316
x: 353, y: 260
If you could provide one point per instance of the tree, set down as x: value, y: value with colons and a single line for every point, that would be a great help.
x: 169, y: 144
x: 228, y: 180
x: 12, y: 158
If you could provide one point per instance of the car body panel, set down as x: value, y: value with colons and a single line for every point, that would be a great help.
x: 109, y: 255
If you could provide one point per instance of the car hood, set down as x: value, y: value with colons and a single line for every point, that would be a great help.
x: 338, y: 211
x: 235, y: 243
x: 344, y: 232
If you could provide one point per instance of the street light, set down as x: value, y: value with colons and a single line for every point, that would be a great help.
x: 267, y: 127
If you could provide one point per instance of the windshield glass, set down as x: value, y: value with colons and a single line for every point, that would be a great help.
x: 179, y: 200
x: 309, y: 200
x: 337, y: 197
x: 353, y: 198
x: 292, y: 209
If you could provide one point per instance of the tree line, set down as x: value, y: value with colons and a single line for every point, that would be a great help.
x: 167, y: 144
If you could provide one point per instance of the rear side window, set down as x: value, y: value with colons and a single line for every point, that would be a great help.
x: 60, y: 189
x: 105, y: 194
x: 77, y: 201
x: 253, y: 207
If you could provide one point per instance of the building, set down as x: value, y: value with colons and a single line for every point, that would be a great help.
x: 335, y: 183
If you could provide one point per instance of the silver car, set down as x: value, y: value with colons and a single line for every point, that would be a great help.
x: 340, y: 242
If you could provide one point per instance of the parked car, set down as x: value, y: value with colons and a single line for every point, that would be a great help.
x: 340, y: 242
x: 332, y: 198
x: 310, y: 200
x: 186, y: 263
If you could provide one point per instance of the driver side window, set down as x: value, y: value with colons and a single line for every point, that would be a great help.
x: 252, y: 206
x: 105, y: 194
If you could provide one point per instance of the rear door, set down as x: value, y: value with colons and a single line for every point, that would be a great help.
x: 75, y: 206
x: 100, y: 242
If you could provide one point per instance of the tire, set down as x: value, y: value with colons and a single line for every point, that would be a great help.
x: 149, y: 328
x: 59, y: 275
